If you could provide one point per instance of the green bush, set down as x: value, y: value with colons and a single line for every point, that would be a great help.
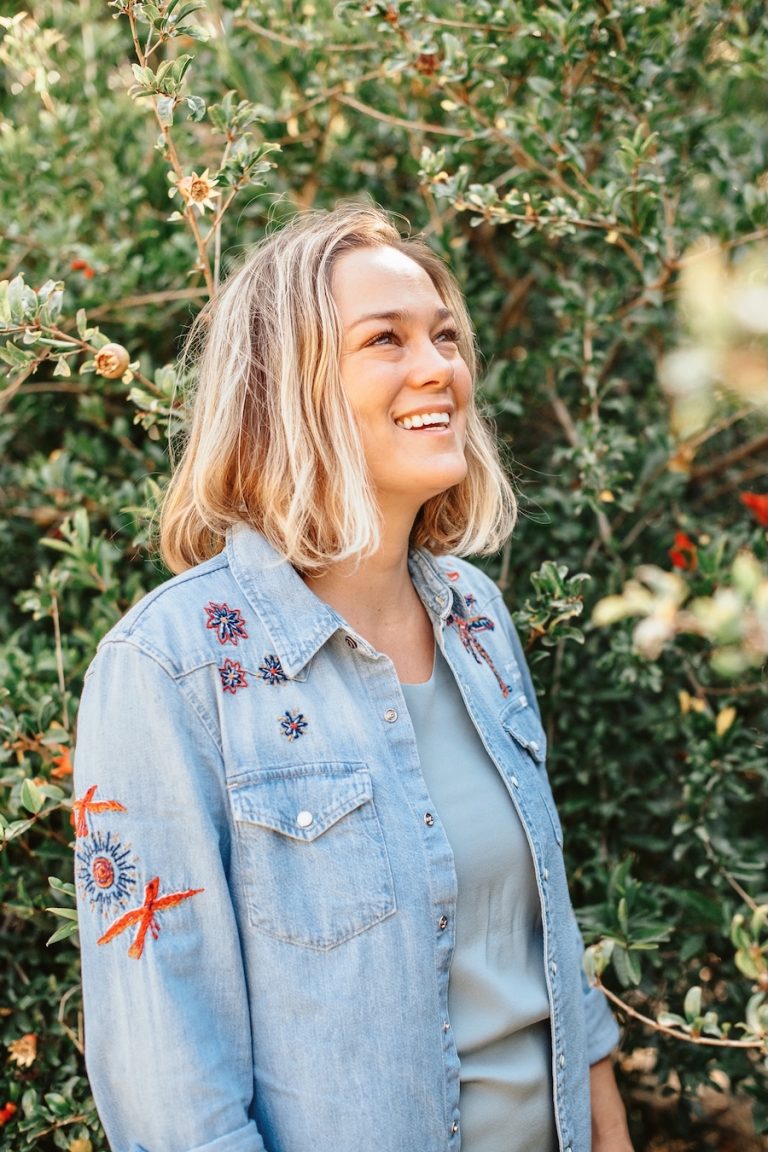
x: 581, y: 166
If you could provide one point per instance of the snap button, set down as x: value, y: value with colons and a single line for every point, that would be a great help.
x: 446, y: 1026
x: 546, y: 873
x: 429, y: 819
x: 390, y: 715
x: 554, y: 965
x: 442, y: 923
x: 534, y: 746
x: 515, y: 782
x: 350, y: 643
x: 562, y: 1061
x: 454, y: 1127
x: 305, y: 819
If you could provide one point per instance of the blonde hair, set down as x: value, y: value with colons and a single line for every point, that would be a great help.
x: 273, y: 442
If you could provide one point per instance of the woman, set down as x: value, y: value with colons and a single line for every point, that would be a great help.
x: 323, y: 902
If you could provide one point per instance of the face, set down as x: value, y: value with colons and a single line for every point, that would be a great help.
x: 405, y: 379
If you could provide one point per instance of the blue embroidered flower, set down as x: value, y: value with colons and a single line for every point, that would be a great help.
x: 226, y: 622
x: 105, y: 871
x: 232, y: 676
x: 272, y: 670
x: 470, y: 600
x: 293, y: 726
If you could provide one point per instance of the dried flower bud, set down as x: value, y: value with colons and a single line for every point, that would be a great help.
x: 112, y: 361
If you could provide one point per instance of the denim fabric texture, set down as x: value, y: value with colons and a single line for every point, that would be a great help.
x: 266, y: 899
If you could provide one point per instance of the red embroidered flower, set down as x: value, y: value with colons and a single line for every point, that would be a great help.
x: 684, y: 553
x: 758, y: 506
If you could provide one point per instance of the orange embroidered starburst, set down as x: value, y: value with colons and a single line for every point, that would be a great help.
x: 146, y: 916
x: 81, y: 808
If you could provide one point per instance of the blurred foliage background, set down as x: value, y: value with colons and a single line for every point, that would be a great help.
x: 597, y: 175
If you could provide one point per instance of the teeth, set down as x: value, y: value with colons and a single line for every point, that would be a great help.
x: 424, y: 421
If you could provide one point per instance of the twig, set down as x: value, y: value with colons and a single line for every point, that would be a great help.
x: 728, y: 458
x: 59, y: 659
x: 399, y: 121
x: 676, y: 1033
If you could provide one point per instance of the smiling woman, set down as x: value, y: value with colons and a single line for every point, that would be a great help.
x: 317, y: 753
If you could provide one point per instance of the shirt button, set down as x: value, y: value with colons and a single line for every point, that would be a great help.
x: 446, y: 1026
x: 390, y: 715
x: 515, y: 782
x: 562, y: 1061
x: 534, y: 746
x: 554, y: 966
x: 429, y: 819
x: 350, y: 642
x: 546, y: 873
x: 305, y: 819
x: 442, y: 923
x: 454, y: 1127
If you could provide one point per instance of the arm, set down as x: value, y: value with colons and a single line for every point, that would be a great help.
x: 609, y: 1118
x: 168, y: 1042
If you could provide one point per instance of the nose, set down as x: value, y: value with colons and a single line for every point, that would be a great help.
x: 430, y: 367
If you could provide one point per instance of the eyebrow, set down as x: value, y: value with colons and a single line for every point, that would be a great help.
x: 397, y: 316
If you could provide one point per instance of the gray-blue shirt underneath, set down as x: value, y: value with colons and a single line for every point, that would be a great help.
x: 497, y: 995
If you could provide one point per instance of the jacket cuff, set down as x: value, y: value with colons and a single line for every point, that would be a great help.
x: 602, y: 1030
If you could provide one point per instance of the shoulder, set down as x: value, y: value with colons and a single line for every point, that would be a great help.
x: 467, y: 580
x: 172, y: 623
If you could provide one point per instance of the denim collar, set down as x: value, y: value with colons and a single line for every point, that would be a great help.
x: 297, y: 620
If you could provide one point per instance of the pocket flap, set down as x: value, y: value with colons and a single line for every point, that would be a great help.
x: 524, y: 726
x: 300, y: 802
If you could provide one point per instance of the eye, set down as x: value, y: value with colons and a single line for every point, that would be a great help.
x: 381, y: 338
x: 448, y: 336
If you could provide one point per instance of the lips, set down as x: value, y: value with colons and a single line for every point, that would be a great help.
x: 424, y: 420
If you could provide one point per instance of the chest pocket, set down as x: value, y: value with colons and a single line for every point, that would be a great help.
x: 524, y: 726
x: 313, y: 861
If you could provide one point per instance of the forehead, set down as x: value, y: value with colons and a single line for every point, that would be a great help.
x: 381, y: 279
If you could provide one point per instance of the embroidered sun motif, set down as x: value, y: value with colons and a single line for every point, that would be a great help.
x: 105, y: 871
x: 272, y: 670
x: 87, y: 805
x: 293, y: 726
x: 232, y: 676
x: 226, y: 622
x: 145, y: 917
x: 466, y: 629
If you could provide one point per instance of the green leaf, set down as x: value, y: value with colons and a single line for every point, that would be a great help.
x: 31, y: 797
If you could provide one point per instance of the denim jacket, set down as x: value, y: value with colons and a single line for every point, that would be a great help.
x: 266, y: 899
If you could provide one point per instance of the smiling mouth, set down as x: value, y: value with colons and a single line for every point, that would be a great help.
x: 424, y: 420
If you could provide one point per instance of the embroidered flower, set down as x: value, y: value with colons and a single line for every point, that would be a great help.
x: 470, y: 600
x: 145, y: 917
x: 232, y: 676
x: 105, y: 871
x: 272, y: 670
x: 226, y: 622
x: 452, y: 576
x: 466, y: 628
x: 81, y: 809
x: 293, y: 726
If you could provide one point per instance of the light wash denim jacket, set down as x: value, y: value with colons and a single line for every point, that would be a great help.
x: 266, y: 899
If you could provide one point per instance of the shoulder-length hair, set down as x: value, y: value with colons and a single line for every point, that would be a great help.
x: 272, y: 440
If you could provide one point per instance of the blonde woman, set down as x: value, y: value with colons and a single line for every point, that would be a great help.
x: 323, y: 901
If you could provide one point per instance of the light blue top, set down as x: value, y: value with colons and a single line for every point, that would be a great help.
x: 497, y: 992
x: 267, y: 916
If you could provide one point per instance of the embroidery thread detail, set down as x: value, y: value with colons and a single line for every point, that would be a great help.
x: 146, y: 916
x: 228, y: 623
x: 106, y: 871
x: 452, y: 576
x: 232, y: 676
x: 272, y: 670
x: 293, y: 726
x: 466, y: 630
x: 81, y: 809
